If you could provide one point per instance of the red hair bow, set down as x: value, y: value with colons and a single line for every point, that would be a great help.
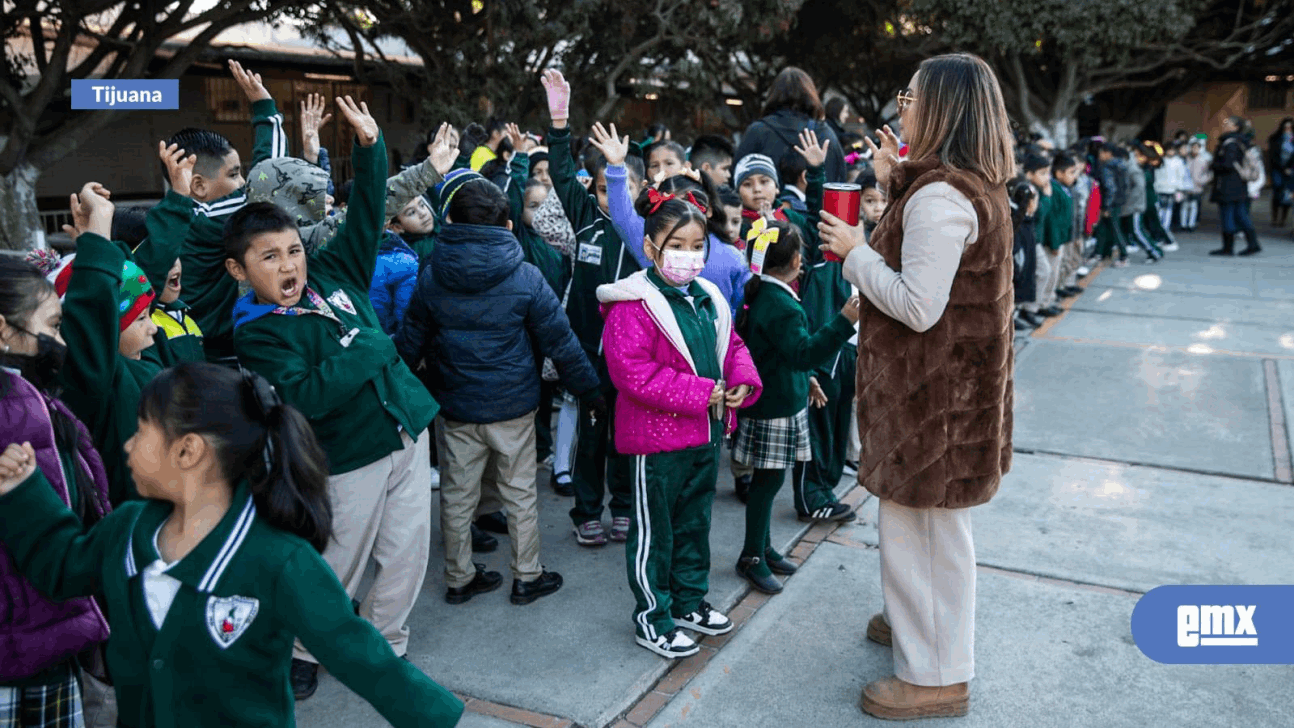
x: 657, y: 198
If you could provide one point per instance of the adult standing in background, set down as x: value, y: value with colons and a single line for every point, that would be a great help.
x: 1231, y: 191
x: 1280, y: 158
x: 935, y: 371
x: 792, y: 106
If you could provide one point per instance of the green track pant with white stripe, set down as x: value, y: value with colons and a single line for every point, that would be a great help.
x: 814, y: 482
x: 668, y: 552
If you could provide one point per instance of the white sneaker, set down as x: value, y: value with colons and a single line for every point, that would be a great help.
x: 435, y: 478
x: 705, y: 620
x: 673, y: 645
x: 1171, y: 248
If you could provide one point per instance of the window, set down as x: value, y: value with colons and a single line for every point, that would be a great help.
x: 1267, y: 94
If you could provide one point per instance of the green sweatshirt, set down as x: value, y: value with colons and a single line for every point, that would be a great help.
x: 555, y: 268
x: 178, y: 338
x: 1042, y: 218
x: 784, y: 352
x: 101, y: 386
x: 823, y: 288
x: 1060, y: 217
x: 207, y: 287
x: 600, y: 254
x: 223, y: 653
x: 354, y: 389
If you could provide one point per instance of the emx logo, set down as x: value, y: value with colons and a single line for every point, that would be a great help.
x: 1219, y: 622
x: 1216, y: 625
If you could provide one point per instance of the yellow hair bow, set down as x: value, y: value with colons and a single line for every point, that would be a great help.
x: 762, y: 236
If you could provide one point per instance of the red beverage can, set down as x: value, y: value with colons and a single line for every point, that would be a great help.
x: 843, y: 200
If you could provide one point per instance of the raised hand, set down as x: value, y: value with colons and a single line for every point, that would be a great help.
x: 886, y: 156
x: 91, y: 211
x: 179, y: 168
x: 814, y: 154
x: 520, y: 142
x: 559, y: 96
x: 443, y: 151
x: 312, y: 120
x: 365, y: 126
x: 249, y: 82
x: 17, y: 463
x: 613, y: 147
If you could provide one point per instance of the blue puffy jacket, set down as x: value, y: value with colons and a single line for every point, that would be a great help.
x: 479, y: 320
x: 394, y: 279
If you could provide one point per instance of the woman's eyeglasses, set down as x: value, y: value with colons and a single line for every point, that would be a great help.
x: 905, y: 99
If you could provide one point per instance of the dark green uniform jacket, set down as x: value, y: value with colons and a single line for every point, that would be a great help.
x: 207, y: 286
x: 600, y: 254
x: 777, y: 336
x: 354, y: 389
x: 1060, y: 218
x: 222, y: 655
x: 178, y: 338
x: 101, y: 386
x: 1042, y: 218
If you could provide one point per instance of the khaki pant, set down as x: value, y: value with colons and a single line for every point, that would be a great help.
x: 928, y: 580
x: 505, y: 453
x: 1044, y: 277
x: 383, y: 511
x: 1072, y: 260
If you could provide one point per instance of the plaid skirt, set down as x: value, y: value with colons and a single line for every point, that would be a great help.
x: 773, y: 444
x: 43, y: 706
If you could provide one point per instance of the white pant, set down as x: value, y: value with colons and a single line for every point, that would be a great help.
x: 928, y: 581
x: 1045, y: 275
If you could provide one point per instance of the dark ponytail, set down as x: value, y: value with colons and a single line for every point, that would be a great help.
x: 256, y: 437
x: 778, y: 257
x: 672, y: 215
x: 681, y: 184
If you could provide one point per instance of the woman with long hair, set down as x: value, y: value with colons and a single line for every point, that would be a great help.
x: 935, y: 370
x: 792, y: 106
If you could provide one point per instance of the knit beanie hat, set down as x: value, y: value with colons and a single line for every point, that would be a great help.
x: 293, y: 184
x: 134, y: 295
x: 755, y: 164
x: 452, y: 183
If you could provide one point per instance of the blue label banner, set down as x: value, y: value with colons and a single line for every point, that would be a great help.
x: 156, y: 94
x: 1216, y: 625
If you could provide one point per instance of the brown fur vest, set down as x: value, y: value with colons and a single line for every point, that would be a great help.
x: 935, y: 408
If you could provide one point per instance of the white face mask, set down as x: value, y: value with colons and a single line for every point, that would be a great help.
x: 680, y: 267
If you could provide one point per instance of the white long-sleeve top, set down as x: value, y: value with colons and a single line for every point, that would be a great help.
x: 938, y: 223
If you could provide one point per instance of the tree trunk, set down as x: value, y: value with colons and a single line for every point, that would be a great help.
x: 1061, y: 132
x: 20, y: 227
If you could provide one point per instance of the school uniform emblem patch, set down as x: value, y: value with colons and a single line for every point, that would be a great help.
x: 229, y: 617
x: 342, y: 301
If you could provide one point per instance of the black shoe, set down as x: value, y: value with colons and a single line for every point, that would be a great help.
x: 493, y: 522
x: 1052, y: 311
x: 482, y: 542
x: 305, y: 678
x: 1022, y: 326
x: 484, y: 581
x: 766, y: 584
x: 1221, y: 251
x: 564, y: 488
x: 1065, y: 293
x: 780, y: 565
x: 1031, y: 318
x: 1250, y: 251
x: 743, y: 488
x: 1073, y: 290
x: 525, y: 592
x: 832, y: 512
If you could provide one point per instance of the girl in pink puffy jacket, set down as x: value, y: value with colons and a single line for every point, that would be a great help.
x: 681, y: 372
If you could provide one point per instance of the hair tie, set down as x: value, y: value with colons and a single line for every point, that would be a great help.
x: 656, y: 198
x: 762, y: 235
x: 692, y: 199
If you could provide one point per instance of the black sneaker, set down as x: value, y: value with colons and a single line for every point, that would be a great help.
x: 705, y: 620
x: 562, y: 484
x: 305, y: 678
x: 673, y: 644
x: 493, y: 522
x: 832, y: 512
x: 525, y: 592
x: 484, y: 581
x: 482, y: 542
x: 743, y: 487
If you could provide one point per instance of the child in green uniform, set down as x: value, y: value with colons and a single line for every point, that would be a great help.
x: 600, y: 257
x: 773, y: 435
x: 209, y: 578
x: 179, y: 338
x: 308, y: 326
x: 107, y: 326
x: 681, y: 372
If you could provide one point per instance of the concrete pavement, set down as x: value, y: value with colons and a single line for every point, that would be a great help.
x: 1153, y: 447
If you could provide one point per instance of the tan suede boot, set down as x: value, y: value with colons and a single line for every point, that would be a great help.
x: 878, y: 630
x: 893, y: 699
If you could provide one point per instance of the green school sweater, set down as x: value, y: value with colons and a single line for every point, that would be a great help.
x: 178, y: 338
x: 357, y: 395
x: 600, y: 254
x: 823, y: 288
x: 1060, y: 217
x: 1042, y: 218
x: 784, y: 352
x: 101, y: 386
x: 224, y: 650
x: 207, y: 287
x: 554, y: 267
